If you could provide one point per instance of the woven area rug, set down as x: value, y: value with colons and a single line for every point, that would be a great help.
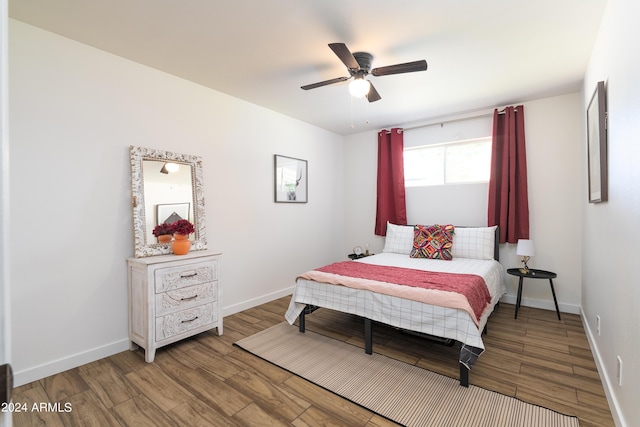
x: 404, y: 393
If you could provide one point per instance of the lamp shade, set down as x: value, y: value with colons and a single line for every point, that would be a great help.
x: 169, y: 168
x: 359, y: 87
x: 525, y: 248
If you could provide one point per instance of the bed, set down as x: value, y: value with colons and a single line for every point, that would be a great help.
x: 385, y: 288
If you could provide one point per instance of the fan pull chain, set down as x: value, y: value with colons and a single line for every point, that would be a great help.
x: 366, y: 119
x: 351, y: 111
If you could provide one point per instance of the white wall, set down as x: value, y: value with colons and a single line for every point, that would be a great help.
x: 74, y: 112
x: 553, y: 129
x: 611, y: 234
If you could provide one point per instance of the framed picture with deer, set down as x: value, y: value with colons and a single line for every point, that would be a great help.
x: 290, y: 179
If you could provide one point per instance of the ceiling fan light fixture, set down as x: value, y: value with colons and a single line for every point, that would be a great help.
x: 359, y: 66
x: 359, y: 87
x: 169, y: 167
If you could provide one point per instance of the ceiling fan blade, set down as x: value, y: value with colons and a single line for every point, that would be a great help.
x: 407, y: 67
x: 342, y: 51
x: 373, y: 94
x: 325, y: 83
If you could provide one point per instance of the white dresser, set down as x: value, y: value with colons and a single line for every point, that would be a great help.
x: 173, y: 297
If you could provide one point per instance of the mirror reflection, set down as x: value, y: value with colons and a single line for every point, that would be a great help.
x: 168, y: 194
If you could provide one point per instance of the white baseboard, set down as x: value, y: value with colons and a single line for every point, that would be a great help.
x: 33, y: 374
x: 576, y: 309
x: 56, y: 366
x: 244, y: 305
x: 606, y: 381
x: 60, y: 365
x: 543, y: 304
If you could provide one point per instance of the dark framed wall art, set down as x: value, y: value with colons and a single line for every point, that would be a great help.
x: 597, y: 145
x: 172, y: 212
x: 290, y: 179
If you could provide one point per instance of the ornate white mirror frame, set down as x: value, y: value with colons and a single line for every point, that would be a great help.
x: 144, y: 246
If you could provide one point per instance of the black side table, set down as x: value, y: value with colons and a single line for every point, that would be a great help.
x: 534, y: 274
x: 354, y: 256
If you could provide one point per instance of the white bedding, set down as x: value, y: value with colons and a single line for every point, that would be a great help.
x: 443, y: 322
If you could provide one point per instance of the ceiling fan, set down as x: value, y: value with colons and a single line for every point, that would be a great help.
x: 359, y: 66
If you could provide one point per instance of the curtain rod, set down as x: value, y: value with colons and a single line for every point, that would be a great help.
x: 515, y: 110
x: 473, y: 115
x: 443, y: 122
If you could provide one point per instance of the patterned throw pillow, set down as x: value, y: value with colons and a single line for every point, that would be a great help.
x: 433, y: 241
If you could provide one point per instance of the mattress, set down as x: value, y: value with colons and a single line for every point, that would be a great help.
x: 403, y: 312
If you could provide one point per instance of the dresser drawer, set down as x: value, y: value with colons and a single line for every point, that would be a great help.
x: 172, y: 298
x: 183, y: 321
x: 183, y: 298
x: 185, y: 275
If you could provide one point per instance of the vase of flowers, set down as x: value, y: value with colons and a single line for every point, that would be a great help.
x: 181, y: 230
x: 163, y: 232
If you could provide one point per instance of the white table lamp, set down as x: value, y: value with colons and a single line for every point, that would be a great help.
x: 526, y: 250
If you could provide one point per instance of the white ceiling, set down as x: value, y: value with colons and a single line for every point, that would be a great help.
x: 481, y: 54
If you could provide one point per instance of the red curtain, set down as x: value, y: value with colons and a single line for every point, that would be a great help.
x: 391, y: 204
x: 508, y: 198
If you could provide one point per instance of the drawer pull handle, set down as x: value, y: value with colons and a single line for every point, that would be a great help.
x: 189, y: 298
x: 189, y: 273
x: 190, y: 320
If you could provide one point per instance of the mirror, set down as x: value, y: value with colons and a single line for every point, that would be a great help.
x: 165, y: 187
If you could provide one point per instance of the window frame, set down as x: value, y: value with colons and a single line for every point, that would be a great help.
x: 444, y: 182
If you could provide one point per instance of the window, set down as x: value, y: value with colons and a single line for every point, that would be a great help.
x: 459, y: 162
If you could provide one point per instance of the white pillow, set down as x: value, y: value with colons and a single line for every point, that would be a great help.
x: 475, y: 243
x: 399, y: 239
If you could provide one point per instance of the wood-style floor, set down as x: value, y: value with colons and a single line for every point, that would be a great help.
x: 206, y: 381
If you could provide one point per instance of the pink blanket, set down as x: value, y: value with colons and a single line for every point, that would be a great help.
x: 464, y: 291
